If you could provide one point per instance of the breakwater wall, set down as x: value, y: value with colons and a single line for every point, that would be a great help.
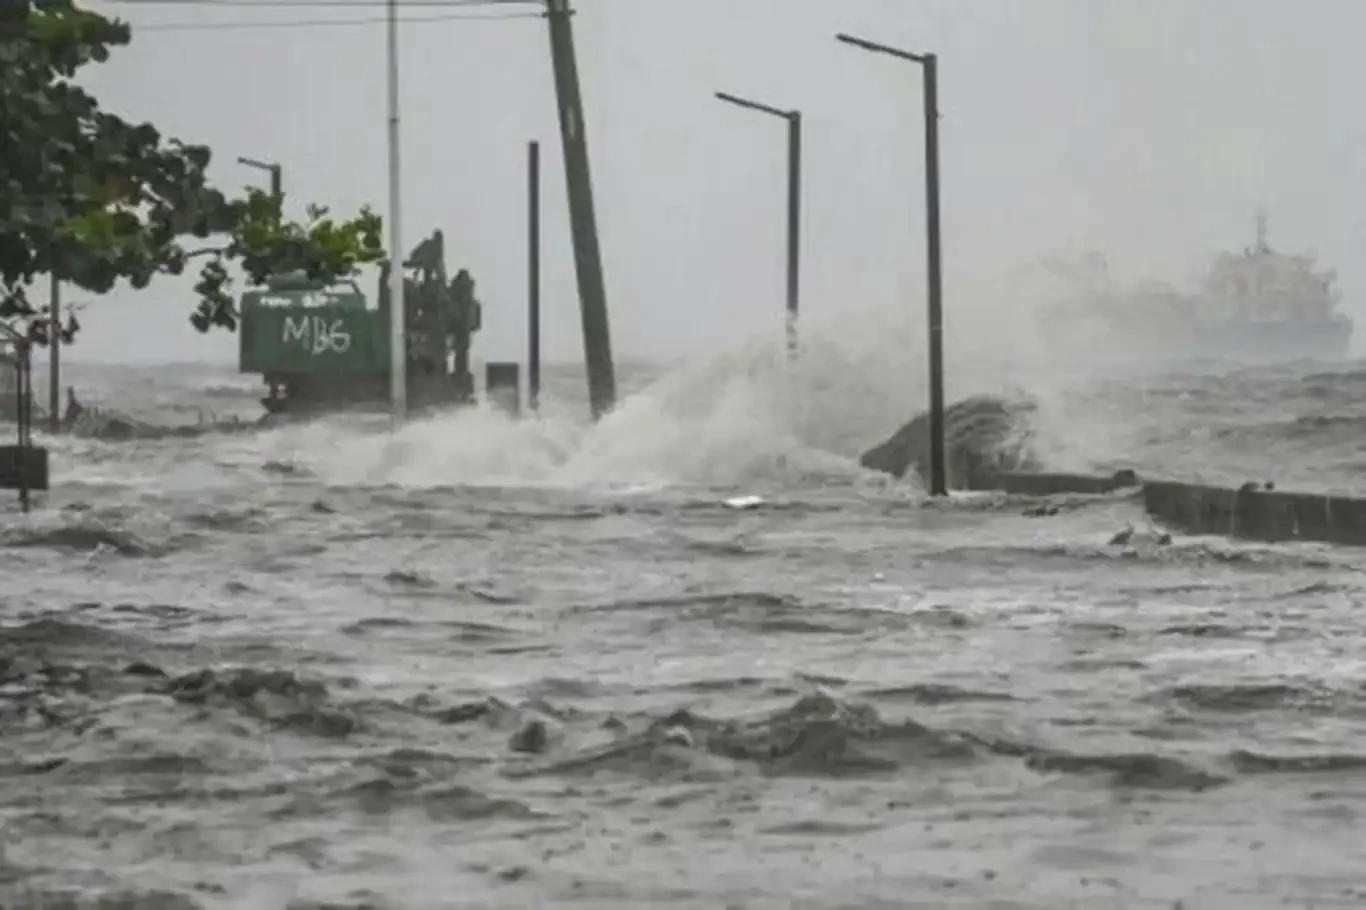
x: 1253, y: 513
x: 988, y: 449
x: 1249, y: 512
x: 1042, y: 483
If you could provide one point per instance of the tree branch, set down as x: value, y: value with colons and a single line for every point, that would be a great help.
x: 96, y: 199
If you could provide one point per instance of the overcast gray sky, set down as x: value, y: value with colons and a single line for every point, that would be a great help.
x: 1150, y: 130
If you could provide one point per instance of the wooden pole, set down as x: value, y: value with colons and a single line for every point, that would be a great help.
x: 597, y: 344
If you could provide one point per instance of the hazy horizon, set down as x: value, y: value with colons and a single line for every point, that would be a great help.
x: 1150, y: 132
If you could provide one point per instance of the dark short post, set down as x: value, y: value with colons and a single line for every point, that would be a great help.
x: 23, y: 466
x: 502, y: 386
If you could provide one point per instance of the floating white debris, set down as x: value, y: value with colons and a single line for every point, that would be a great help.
x: 744, y: 502
x: 1130, y: 537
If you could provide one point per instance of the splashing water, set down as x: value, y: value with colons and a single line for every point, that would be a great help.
x: 218, y: 671
x: 743, y: 417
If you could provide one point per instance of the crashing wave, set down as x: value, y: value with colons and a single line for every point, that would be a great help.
x: 983, y: 435
x: 105, y: 423
x: 115, y: 426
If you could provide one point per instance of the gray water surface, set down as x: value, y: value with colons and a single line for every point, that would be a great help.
x: 228, y: 680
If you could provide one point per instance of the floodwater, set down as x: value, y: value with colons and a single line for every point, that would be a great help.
x: 483, y: 663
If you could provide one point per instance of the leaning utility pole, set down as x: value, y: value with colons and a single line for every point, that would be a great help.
x: 597, y: 344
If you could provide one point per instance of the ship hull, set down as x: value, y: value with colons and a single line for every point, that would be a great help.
x: 1242, y: 342
x: 1268, y: 341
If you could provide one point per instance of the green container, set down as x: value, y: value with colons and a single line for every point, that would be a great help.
x: 291, y: 327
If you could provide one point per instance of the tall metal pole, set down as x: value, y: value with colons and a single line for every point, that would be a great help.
x: 533, y: 269
x: 275, y: 170
x: 794, y: 205
x: 24, y: 416
x: 398, y: 348
x: 938, y: 480
x: 938, y: 467
x: 54, y: 341
x: 597, y: 344
x: 794, y: 226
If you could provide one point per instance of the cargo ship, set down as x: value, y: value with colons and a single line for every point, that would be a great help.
x: 1257, y: 305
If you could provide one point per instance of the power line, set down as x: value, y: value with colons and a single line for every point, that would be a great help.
x: 252, y: 25
x: 323, y: 4
x: 320, y: 23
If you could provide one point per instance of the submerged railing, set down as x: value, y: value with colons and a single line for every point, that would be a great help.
x: 23, y: 466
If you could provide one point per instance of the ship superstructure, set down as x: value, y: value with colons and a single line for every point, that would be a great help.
x: 1258, y: 304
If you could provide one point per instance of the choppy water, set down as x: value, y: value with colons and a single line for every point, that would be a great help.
x: 487, y: 664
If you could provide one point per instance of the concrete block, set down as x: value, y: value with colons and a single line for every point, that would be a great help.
x: 1032, y: 483
x: 502, y: 386
x: 23, y: 466
x: 1254, y: 513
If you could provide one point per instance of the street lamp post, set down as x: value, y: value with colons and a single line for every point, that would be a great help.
x: 533, y: 274
x: 794, y: 204
x: 398, y: 311
x: 929, y: 63
x: 276, y: 174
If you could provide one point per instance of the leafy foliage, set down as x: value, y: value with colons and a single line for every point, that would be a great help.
x: 263, y: 243
x: 93, y: 198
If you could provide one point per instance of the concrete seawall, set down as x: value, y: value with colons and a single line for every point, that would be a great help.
x: 1248, y: 513
x: 1257, y: 514
x: 1031, y: 483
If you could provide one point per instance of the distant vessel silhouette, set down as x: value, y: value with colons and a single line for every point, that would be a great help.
x: 1255, y: 305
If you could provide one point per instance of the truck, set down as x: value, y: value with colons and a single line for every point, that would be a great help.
x: 322, y: 347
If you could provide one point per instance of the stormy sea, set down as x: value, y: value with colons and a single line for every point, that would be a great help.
x: 693, y: 656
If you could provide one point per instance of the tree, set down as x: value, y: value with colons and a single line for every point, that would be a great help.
x: 93, y: 198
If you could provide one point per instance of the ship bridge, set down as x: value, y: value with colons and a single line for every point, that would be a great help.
x: 1262, y: 284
